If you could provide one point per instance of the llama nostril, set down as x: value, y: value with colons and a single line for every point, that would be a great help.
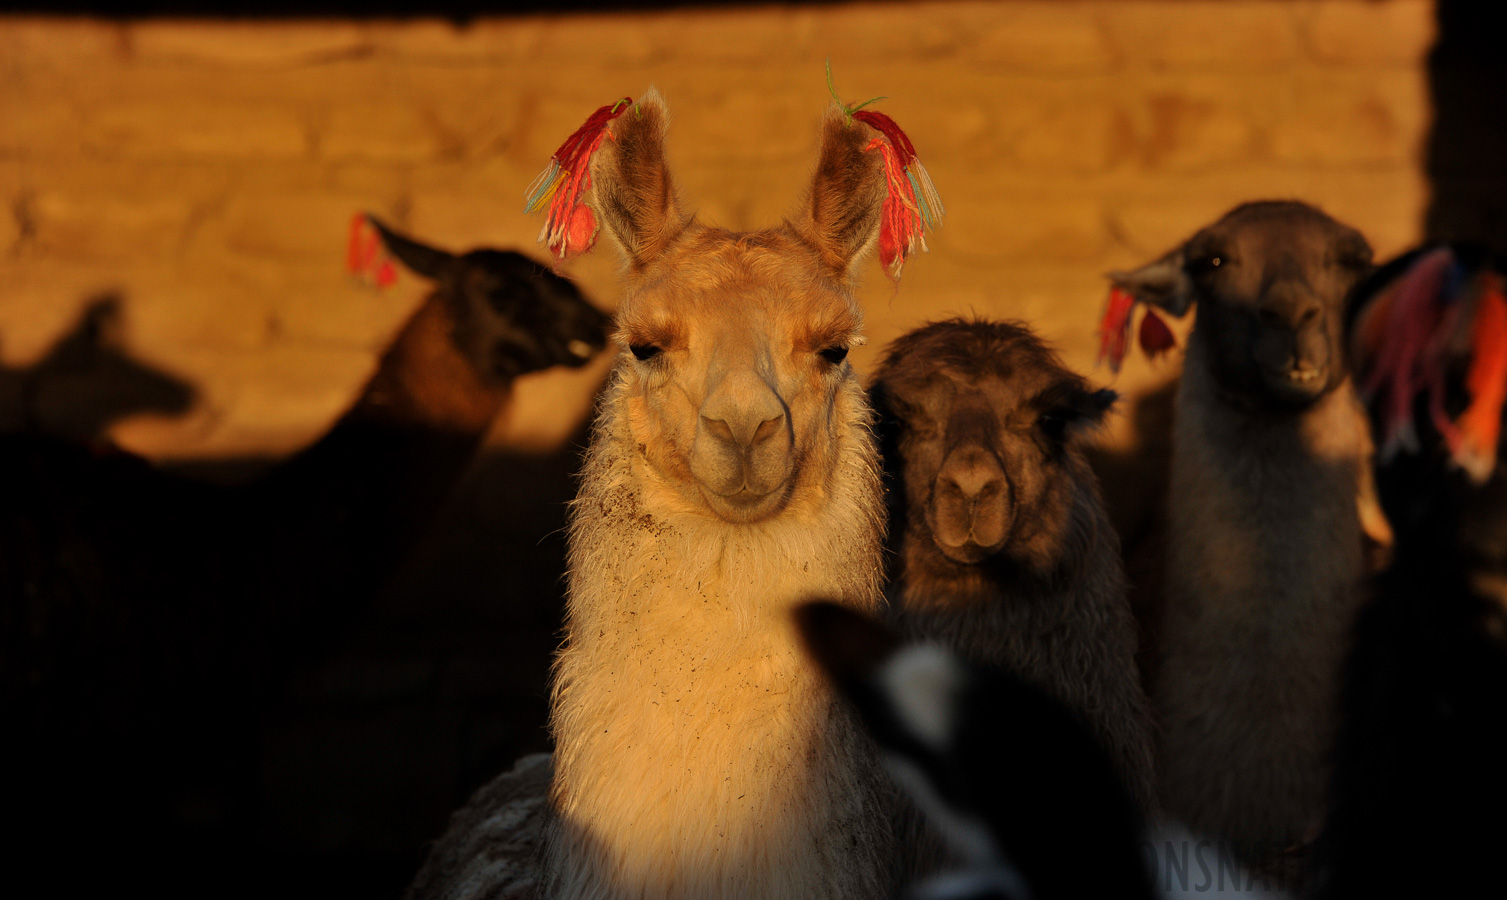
x: 768, y: 429
x: 718, y: 429
x: 973, y: 482
x: 1307, y: 316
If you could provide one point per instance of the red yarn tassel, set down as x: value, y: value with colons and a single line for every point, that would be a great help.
x: 1478, y: 429
x: 1156, y: 337
x: 365, y: 256
x: 1114, y: 328
x: 911, y: 203
x: 570, y: 227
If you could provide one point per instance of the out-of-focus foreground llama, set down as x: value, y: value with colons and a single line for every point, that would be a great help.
x: 1003, y: 550
x: 1419, y: 782
x: 1021, y: 790
x: 1271, y: 452
x: 732, y: 473
x: 148, y: 619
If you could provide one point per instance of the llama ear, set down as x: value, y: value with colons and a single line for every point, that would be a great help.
x: 1073, y: 410
x: 1164, y: 283
x: 634, y: 194
x: 847, y: 195
x: 420, y: 259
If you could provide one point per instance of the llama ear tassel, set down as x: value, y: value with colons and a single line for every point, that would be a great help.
x: 570, y: 227
x: 1404, y: 341
x: 365, y: 257
x: 1478, y: 429
x: 1114, y: 330
x: 911, y: 203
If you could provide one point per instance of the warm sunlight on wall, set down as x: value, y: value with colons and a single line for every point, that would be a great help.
x: 205, y: 171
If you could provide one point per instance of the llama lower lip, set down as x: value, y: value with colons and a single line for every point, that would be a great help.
x: 745, y: 498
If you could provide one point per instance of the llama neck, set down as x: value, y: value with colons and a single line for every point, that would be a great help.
x: 344, y: 512
x: 1267, y: 500
x: 698, y: 753
x: 1265, y: 554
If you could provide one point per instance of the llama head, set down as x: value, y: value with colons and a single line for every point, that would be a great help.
x: 737, y: 342
x: 983, y: 422
x: 1011, y: 778
x: 1270, y: 279
x: 512, y: 314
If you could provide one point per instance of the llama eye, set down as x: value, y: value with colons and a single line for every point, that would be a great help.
x: 1053, y: 425
x: 833, y: 355
x: 1203, y: 265
x: 643, y: 352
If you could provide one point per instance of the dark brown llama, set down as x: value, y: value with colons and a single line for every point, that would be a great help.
x: 1002, y: 548
x: 1270, y: 455
x: 149, y: 620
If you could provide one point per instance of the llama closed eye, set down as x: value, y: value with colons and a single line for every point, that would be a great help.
x: 1053, y: 424
x: 833, y: 355
x: 644, y: 352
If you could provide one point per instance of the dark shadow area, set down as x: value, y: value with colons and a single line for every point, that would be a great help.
x: 430, y: 693
x: 1134, y: 482
x: 1468, y: 142
x: 279, y: 677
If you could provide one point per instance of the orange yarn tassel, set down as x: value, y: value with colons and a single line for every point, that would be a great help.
x: 365, y: 256
x: 1478, y: 429
x: 570, y: 227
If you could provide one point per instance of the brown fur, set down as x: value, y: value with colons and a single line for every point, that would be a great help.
x: 1045, y: 597
x: 1265, y: 545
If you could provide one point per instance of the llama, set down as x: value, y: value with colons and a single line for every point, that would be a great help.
x: 1418, y: 777
x: 1270, y: 453
x: 732, y: 472
x: 492, y: 316
x: 154, y: 617
x: 1022, y: 790
x: 1001, y: 546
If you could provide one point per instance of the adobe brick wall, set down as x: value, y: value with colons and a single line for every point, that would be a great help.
x: 206, y: 170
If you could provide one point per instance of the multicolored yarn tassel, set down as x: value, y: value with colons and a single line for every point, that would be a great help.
x: 1395, y: 335
x: 365, y: 257
x: 911, y: 203
x: 1406, y: 339
x: 1114, y: 330
x: 1474, y: 444
x: 570, y: 227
